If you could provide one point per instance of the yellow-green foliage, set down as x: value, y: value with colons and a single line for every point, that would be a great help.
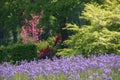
x: 102, y: 35
x: 51, y: 40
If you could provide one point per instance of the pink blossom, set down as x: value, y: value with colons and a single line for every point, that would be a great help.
x: 30, y: 31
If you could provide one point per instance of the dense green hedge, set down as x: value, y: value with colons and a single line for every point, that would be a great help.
x: 18, y: 52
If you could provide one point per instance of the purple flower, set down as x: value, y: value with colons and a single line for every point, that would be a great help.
x: 110, y: 78
x: 95, y: 74
x: 71, y: 68
x: 98, y: 78
x: 77, y: 77
x: 94, y: 64
x: 107, y: 71
x: 118, y: 70
x: 70, y: 77
x: 101, y: 65
x: 90, y: 77
x: 104, y: 76
x: 31, y: 75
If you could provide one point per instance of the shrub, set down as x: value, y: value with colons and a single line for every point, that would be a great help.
x: 2, y: 54
x: 47, y: 52
x: 55, y: 41
x: 18, y: 52
x: 50, y: 51
x: 102, y: 35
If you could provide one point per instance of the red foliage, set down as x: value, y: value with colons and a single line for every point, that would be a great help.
x: 48, y: 51
x: 58, y: 39
x: 44, y: 50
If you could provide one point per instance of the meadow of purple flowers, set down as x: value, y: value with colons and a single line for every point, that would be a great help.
x: 104, y: 67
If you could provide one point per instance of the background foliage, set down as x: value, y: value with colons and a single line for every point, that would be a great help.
x: 96, y: 30
x: 56, y: 14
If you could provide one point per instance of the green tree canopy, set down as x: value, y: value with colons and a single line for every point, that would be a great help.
x: 11, y: 20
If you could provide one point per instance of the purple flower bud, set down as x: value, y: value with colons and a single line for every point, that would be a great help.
x: 95, y: 74
x: 118, y: 70
x: 110, y: 78
x: 77, y: 77
x: 107, y: 71
x: 104, y: 76
x: 90, y: 77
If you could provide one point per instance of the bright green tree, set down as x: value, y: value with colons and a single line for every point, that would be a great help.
x: 102, y: 35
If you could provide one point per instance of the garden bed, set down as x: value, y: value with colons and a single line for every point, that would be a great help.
x: 104, y: 67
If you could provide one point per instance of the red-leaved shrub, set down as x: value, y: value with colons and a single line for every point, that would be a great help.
x: 49, y: 52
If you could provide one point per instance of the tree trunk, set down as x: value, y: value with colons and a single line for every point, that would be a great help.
x: 64, y: 32
x: 14, y: 36
x: 1, y: 37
